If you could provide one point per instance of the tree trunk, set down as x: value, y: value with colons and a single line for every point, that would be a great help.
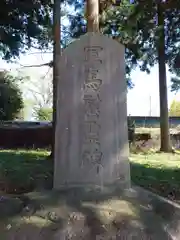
x: 92, y: 12
x: 56, y: 62
x: 164, y: 118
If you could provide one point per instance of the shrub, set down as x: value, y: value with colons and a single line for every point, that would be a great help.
x: 131, y: 130
x: 44, y: 114
x: 11, y: 101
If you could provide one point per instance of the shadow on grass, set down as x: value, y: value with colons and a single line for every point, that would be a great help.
x: 24, y: 171
x: 164, y: 181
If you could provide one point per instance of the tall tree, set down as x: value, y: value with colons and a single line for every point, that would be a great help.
x: 165, y: 38
x: 164, y: 118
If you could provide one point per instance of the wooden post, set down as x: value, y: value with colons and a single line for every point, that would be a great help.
x: 56, y: 62
x: 92, y: 13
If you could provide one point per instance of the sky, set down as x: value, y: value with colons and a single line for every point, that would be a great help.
x: 143, y: 99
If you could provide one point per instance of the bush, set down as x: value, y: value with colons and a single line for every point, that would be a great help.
x: 11, y: 101
x: 131, y: 130
x: 44, y: 114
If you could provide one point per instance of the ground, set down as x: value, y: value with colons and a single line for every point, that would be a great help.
x: 90, y: 214
x: 98, y: 217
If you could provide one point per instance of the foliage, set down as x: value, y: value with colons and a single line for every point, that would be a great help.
x: 145, y: 15
x: 131, y: 130
x: 147, y: 29
x: 28, y: 23
x: 11, y: 101
x: 44, y: 114
x: 174, y: 110
x: 175, y: 79
x: 175, y: 86
x: 24, y: 24
x: 112, y: 23
x: 21, y: 115
x: 108, y: 25
x: 134, y: 24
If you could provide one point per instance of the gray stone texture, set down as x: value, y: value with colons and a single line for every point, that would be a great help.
x: 91, y: 133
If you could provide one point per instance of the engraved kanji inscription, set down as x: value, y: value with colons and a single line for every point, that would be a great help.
x: 91, y: 73
x: 92, y: 128
x: 94, y: 84
x: 92, y: 107
x: 92, y: 51
x: 90, y: 95
x: 94, y: 157
x: 91, y: 153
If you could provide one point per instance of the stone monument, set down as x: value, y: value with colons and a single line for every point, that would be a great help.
x: 91, y: 134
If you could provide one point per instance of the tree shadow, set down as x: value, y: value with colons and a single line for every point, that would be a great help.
x: 163, y: 181
x: 22, y: 171
x: 87, y: 214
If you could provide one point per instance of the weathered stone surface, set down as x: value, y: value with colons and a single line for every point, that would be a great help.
x: 91, y: 135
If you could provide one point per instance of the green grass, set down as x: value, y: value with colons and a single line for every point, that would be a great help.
x: 28, y: 155
x: 157, y: 171
x: 154, y: 131
x: 147, y: 130
x: 22, y: 170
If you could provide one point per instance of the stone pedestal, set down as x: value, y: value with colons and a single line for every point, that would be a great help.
x: 91, y: 135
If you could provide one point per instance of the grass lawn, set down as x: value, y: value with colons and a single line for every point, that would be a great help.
x: 22, y: 171
x: 147, y: 130
x: 158, y: 172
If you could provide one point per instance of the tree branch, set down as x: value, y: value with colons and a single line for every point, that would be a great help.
x: 49, y: 64
x: 40, y: 53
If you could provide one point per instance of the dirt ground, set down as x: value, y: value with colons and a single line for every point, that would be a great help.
x: 90, y: 214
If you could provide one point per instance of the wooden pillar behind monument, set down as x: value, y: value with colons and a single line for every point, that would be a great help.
x: 92, y: 13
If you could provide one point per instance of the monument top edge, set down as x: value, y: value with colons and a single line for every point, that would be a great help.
x: 92, y: 36
x: 96, y: 34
